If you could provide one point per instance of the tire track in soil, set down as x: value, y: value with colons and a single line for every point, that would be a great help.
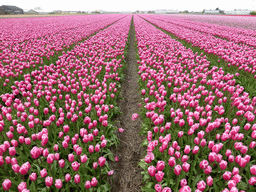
x: 127, y: 175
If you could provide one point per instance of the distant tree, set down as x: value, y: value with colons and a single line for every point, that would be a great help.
x: 217, y: 9
x: 203, y: 11
x: 253, y: 13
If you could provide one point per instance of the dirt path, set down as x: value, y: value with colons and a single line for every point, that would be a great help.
x: 127, y: 175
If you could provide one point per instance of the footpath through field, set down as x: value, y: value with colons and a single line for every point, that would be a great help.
x: 127, y: 175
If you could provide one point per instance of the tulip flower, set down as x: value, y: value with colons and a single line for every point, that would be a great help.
x: 77, y: 179
x: 159, y: 176
x: 58, y: 183
x: 6, y: 184
x: 48, y: 181
x: 22, y: 186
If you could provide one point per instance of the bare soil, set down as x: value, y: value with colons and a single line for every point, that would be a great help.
x: 127, y: 174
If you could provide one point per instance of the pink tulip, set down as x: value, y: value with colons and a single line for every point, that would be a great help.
x: 183, y: 182
x: 87, y: 184
x: 209, y: 181
x: 77, y: 178
x: 252, y: 181
x: 160, y: 165
x: 253, y: 170
x: 158, y: 188
x: 67, y: 177
x: 62, y: 163
x: 159, y: 176
x: 177, y: 170
x: 48, y: 181
x: 135, y: 116
x: 101, y: 161
x: 201, y: 185
x: 33, y: 176
x: 185, y: 189
x: 227, y: 175
x: 75, y: 166
x: 110, y: 172
x: 223, y: 164
x: 94, y: 182
x: 166, y: 189
x: 6, y: 184
x: 22, y: 186
x: 152, y: 170
x: 186, y: 167
x: 58, y: 183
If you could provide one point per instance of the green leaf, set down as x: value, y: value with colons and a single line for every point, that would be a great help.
x: 104, y: 188
x: 242, y: 185
x: 54, y: 167
x: 193, y: 167
x: 216, y: 187
x: 146, y: 177
x: 143, y: 164
x: 32, y: 187
x: 144, y: 143
x: 149, y: 187
x: 171, y: 181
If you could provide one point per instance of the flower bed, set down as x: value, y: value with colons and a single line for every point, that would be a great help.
x: 56, y: 126
x: 200, y: 126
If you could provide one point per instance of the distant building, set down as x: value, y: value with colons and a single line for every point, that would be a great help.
x: 8, y: 9
x: 238, y: 12
x: 57, y: 11
x: 151, y: 12
x: 99, y: 12
x: 166, y: 11
x: 126, y: 12
x: 212, y: 12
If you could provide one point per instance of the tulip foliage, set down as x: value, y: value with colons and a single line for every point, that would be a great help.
x: 56, y: 123
x: 199, y: 123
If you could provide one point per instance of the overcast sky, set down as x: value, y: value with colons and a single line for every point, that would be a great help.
x: 131, y: 5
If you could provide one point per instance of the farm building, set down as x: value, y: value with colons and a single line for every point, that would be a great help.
x: 165, y: 11
x: 212, y: 12
x: 238, y: 12
x: 8, y: 9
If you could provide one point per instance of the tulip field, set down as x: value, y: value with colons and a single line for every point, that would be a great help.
x: 61, y: 81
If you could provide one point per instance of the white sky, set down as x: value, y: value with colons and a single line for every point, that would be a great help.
x: 131, y: 5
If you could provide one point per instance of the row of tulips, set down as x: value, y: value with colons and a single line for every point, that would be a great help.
x: 238, y: 56
x: 245, y: 25
x: 27, y: 43
x: 200, y: 125
x: 236, y: 35
x: 56, y: 126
